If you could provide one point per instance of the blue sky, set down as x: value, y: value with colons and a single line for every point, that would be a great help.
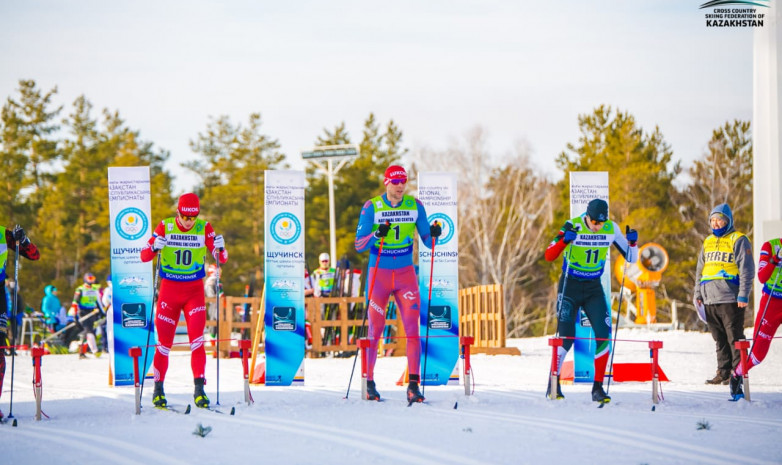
x: 521, y: 70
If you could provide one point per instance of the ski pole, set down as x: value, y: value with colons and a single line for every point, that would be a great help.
x: 763, y: 315
x: 13, y: 337
x: 366, y: 310
x: 428, y: 314
x: 149, y: 328
x: 618, y: 314
x: 553, y: 375
x: 217, y: 292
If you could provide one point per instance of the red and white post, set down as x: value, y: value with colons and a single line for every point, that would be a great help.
x: 467, y: 341
x: 743, y: 347
x: 244, y: 348
x: 654, y: 348
x: 363, y: 347
x: 555, y: 343
x: 135, y: 352
x: 37, y: 353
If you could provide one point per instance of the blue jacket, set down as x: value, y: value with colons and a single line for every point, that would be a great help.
x: 50, y: 305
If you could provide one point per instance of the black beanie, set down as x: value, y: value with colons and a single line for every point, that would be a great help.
x: 598, y: 210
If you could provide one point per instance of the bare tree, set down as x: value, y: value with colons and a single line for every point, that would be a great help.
x: 503, y: 210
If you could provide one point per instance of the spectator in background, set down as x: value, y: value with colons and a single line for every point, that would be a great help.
x: 51, y: 306
x: 323, y: 277
x: 106, y: 299
x: 723, y: 282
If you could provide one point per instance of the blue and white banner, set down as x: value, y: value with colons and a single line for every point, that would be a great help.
x: 284, y: 277
x: 437, y: 192
x: 130, y: 317
x: 585, y: 186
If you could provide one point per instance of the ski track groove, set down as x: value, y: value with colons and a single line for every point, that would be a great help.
x: 391, y: 448
x: 665, y: 447
x: 131, y: 454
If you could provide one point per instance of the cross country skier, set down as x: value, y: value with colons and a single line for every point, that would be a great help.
x: 86, y: 299
x: 769, y: 317
x: 393, y: 218
x: 586, y: 240
x: 182, y: 242
x: 27, y: 249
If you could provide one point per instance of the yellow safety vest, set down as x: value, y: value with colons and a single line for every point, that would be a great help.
x: 718, y: 259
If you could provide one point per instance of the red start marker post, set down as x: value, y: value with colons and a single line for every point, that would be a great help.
x: 555, y: 343
x: 37, y: 353
x: 654, y: 348
x: 244, y: 348
x: 135, y: 352
x: 743, y: 347
x: 363, y: 346
x: 467, y: 341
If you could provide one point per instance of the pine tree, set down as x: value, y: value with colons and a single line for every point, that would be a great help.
x: 231, y: 168
x: 641, y: 174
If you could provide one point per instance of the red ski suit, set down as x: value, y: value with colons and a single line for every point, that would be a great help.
x: 765, y: 325
x: 173, y: 298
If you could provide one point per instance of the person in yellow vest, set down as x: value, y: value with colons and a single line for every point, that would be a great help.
x: 324, y: 276
x: 723, y: 282
x: 87, y: 309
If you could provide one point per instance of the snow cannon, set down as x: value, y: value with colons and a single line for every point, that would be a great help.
x: 643, y: 277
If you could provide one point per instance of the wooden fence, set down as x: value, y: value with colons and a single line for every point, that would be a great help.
x: 481, y: 313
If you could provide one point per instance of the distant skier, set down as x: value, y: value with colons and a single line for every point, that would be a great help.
x: 586, y: 240
x: 86, y: 300
x: 323, y: 276
x: 183, y: 242
x: 394, y: 217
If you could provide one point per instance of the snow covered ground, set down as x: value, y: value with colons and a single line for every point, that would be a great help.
x: 507, y: 421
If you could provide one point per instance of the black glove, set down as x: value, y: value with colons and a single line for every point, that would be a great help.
x: 19, y: 235
x: 382, y: 230
x: 631, y: 235
x: 435, y: 230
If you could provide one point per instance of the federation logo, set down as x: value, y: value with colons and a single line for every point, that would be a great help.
x: 440, y: 317
x: 284, y: 318
x: 285, y: 228
x: 131, y: 224
x: 449, y: 231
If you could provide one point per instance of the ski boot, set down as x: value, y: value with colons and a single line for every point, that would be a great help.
x: 598, y: 394
x: 158, y: 396
x: 199, y: 395
x: 736, y: 389
x: 413, y: 393
x: 372, y: 393
x: 559, y: 390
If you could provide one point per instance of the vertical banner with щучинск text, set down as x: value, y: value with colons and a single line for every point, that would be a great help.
x: 129, y: 320
x: 440, y: 351
x: 284, y: 277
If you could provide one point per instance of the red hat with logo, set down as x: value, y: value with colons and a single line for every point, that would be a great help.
x: 189, y: 205
x: 394, y: 172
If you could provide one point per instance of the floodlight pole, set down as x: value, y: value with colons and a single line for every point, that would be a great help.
x: 342, y: 153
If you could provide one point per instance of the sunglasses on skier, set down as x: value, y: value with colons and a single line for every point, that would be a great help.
x: 397, y: 182
x: 188, y: 218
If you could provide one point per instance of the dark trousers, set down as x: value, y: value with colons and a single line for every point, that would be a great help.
x: 589, y: 295
x: 726, y: 324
